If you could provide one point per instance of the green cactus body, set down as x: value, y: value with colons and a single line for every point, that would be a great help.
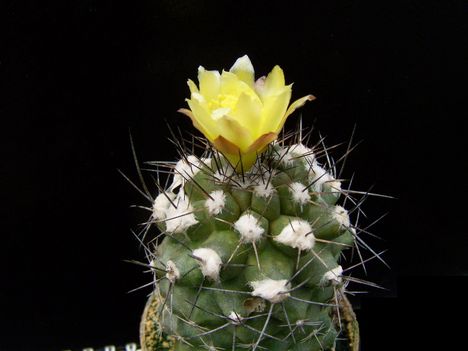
x: 251, y: 261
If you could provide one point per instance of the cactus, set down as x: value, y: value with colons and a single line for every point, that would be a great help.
x: 248, y: 255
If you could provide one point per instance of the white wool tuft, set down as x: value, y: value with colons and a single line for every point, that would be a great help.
x: 334, y: 185
x: 319, y: 176
x: 219, y: 176
x: 285, y: 157
x: 264, y: 191
x: 224, y: 172
x: 216, y: 203
x: 235, y: 318
x: 206, y: 160
x: 297, y: 234
x: 185, y: 168
x: 248, y: 227
x: 302, y: 151
x: 341, y: 216
x: 209, y: 261
x: 272, y: 290
x: 299, y: 193
x: 295, y: 152
x: 179, y: 219
x: 243, y: 182
x: 333, y: 276
x: 161, y: 204
x: 172, y: 272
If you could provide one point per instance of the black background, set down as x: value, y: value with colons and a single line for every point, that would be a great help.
x: 77, y: 76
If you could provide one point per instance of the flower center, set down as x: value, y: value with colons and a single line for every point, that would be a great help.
x: 223, y: 101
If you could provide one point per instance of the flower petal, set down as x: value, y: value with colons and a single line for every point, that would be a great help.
x: 294, y: 106
x: 274, y: 109
x: 244, y: 70
x: 209, y: 83
x: 189, y: 114
x: 272, y: 83
x: 225, y: 146
x: 202, y: 120
x: 233, y: 131
x: 261, y: 142
x: 192, y: 86
x: 247, y: 112
x: 231, y: 85
x: 241, y: 161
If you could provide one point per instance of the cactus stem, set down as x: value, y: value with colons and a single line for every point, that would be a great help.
x: 304, y: 185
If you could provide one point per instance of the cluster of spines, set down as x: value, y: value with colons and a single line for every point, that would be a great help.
x: 197, y: 192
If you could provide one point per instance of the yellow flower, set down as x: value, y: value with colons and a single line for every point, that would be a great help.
x: 238, y: 115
